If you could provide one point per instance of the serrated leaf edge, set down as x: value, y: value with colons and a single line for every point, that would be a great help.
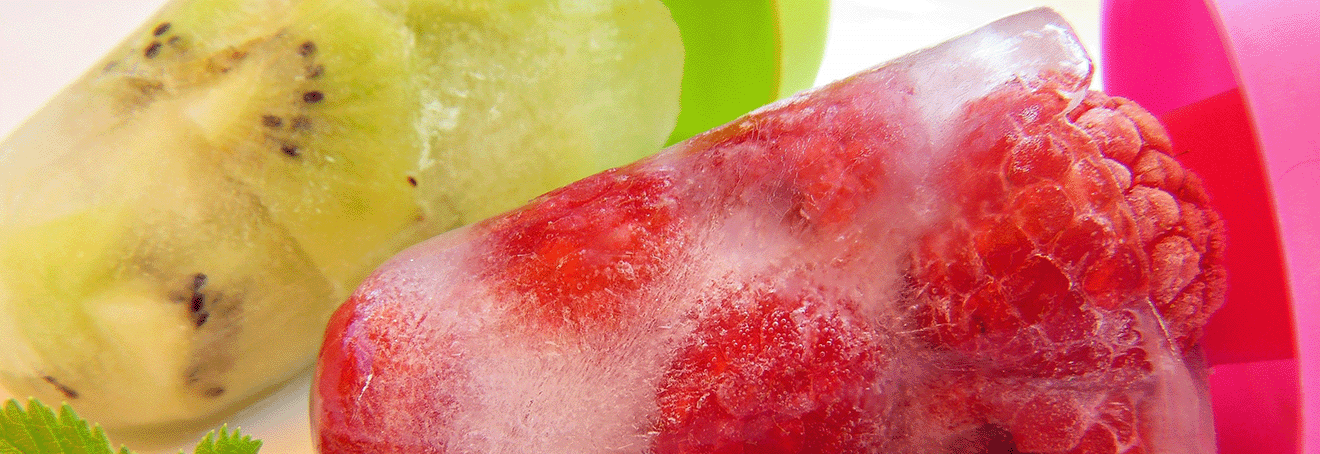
x: 38, y: 430
x: 226, y: 442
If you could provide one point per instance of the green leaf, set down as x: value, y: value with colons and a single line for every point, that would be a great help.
x: 227, y: 443
x: 38, y: 430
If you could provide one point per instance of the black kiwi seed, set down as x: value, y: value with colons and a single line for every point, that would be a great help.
x: 300, y: 123
x: 291, y: 150
x: 307, y: 48
x: 313, y: 97
x: 412, y: 181
x: 152, y: 50
x: 197, y: 301
x: 68, y: 392
x: 161, y: 29
x: 214, y: 391
x: 271, y: 121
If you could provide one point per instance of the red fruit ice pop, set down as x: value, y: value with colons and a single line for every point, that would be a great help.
x: 960, y: 251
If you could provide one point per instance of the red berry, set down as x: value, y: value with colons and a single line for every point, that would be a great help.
x: 775, y: 372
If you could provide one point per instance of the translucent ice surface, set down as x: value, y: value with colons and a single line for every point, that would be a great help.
x: 960, y: 251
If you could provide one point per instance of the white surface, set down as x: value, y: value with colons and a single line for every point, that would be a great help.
x: 45, y: 44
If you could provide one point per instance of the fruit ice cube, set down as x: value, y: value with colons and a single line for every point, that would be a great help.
x: 960, y: 251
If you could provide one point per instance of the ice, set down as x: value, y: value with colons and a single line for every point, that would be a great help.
x: 958, y: 251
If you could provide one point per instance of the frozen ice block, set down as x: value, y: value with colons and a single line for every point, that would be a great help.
x: 962, y: 250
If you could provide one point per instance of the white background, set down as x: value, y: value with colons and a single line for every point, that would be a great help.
x: 45, y: 44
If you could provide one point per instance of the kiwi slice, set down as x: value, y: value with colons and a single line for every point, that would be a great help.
x: 177, y: 226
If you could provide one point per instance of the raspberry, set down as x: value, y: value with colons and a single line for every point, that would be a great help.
x: 774, y: 373
x: 1046, y: 287
x: 580, y: 252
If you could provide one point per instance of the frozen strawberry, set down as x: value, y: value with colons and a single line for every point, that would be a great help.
x: 962, y: 251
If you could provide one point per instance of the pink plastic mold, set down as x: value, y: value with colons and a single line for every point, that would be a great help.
x: 1237, y: 82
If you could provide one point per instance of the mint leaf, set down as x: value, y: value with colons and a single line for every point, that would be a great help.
x: 37, y: 430
x: 227, y: 443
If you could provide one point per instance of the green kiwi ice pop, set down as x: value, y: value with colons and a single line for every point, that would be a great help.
x: 177, y: 225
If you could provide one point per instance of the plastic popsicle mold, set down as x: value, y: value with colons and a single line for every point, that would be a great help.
x: 1235, y: 81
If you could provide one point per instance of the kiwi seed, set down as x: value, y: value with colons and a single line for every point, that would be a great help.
x: 301, y: 123
x: 412, y: 181
x: 291, y: 150
x: 68, y: 392
x: 307, y: 48
x: 214, y: 391
x: 313, y: 97
x: 315, y: 71
x: 152, y: 50
x: 271, y: 121
x: 197, y: 303
x: 161, y: 29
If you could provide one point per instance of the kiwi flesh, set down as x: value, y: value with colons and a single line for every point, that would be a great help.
x: 177, y: 225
